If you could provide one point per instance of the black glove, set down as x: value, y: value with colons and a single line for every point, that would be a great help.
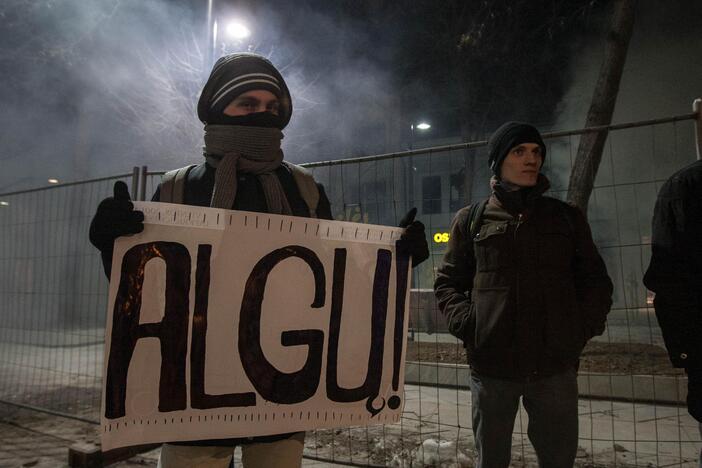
x: 694, y: 393
x: 414, y: 237
x: 115, y: 217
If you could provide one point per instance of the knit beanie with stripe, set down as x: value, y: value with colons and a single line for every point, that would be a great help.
x: 235, y: 74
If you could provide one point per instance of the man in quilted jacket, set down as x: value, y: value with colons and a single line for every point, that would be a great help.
x: 523, y: 286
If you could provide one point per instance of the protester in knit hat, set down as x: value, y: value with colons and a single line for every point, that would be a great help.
x: 508, y: 136
x: 244, y: 105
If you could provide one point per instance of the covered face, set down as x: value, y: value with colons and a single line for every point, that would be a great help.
x: 244, y: 84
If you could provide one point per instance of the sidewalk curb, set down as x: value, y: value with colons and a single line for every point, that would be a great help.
x: 641, y: 388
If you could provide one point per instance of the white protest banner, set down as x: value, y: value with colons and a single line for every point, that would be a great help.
x: 235, y: 324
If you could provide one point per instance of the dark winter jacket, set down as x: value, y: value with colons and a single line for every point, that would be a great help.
x: 675, y: 271
x: 249, y: 193
x: 528, y: 292
x: 249, y: 197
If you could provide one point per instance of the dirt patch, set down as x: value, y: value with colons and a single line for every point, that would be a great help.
x: 611, y: 358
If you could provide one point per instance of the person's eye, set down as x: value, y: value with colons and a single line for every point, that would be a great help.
x: 519, y: 151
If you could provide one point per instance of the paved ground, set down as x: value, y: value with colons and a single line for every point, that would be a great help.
x: 612, y: 434
x: 436, y: 422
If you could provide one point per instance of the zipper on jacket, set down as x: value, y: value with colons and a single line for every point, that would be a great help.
x: 519, y: 223
x: 520, y: 217
x: 516, y: 228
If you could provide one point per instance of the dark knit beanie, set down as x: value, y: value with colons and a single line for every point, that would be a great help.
x: 508, y: 136
x: 235, y: 74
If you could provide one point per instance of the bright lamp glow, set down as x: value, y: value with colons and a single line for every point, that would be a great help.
x: 423, y: 126
x: 53, y: 181
x: 237, y: 30
x: 4, y: 203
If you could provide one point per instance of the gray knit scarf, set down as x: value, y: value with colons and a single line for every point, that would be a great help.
x: 253, y: 150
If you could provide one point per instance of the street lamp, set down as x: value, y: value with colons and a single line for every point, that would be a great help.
x: 237, y: 30
x: 209, y: 49
x: 53, y: 180
x: 421, y: 126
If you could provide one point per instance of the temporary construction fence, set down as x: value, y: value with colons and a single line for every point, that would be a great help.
x: 53, y: 300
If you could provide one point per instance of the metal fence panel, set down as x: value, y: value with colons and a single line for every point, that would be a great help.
x: 53, y: 299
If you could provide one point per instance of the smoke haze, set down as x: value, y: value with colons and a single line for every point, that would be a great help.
x: 99, y: 87
x: 95, y: 88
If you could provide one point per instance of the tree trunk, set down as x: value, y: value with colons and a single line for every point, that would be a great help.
x: 587, y: 161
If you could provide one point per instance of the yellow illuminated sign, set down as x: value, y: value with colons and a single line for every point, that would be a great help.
x: 441, y: 237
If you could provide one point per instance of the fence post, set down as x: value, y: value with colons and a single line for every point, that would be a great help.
x: 135, y: 183
x: 697, y: 108
x: 142, y: 184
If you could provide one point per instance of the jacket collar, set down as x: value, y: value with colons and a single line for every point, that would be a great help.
x: 514, y: 199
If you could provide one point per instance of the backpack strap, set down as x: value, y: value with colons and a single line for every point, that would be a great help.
x: 173, y: 185
x: 475, y: 221
x: 306, y: 185
x: 475, y: 217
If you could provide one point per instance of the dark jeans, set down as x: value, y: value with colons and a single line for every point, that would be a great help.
x: 552, y: 406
